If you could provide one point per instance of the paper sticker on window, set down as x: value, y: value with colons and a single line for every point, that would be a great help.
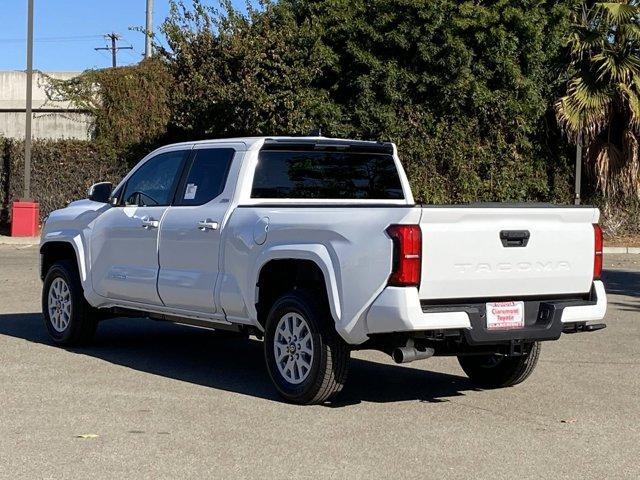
x: 190, y: 192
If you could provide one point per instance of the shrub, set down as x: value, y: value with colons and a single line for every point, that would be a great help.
x: 464, y: 88
x: 619, y: 218
x: 4, y: 175
x: 62, y: 171
x: 130, y: 105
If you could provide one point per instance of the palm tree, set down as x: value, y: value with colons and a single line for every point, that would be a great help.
x: 601, y: 108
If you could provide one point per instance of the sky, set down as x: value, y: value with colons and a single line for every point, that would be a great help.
x: 66, y: 32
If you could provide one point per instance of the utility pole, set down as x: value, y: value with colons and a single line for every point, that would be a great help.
x: 27, y: 128
x: 148, y: 32
x: 114, y: 37
x: 578, y: 179
x: 25, y: 213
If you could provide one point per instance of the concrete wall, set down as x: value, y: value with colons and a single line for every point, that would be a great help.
x: 51, y: 119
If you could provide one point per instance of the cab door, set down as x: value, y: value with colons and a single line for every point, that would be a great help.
x: 124, y: 242
x: 190, y: 233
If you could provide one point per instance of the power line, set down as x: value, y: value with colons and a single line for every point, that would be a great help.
x: 114, y: 37
x: 134, y: 54
x: 72, y: 38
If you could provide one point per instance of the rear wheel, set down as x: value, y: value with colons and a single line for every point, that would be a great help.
x: 306, y: 359
x: 69, y: 319
x: 497, y: 371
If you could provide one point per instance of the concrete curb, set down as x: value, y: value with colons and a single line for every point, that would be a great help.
x: 4, y: 240
x: 629, y: 250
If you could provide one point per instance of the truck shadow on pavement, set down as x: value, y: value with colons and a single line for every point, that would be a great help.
x: 623, y: 282
x: 205, y: 358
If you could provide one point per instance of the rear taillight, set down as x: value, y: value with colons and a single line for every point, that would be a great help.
x: 407, y: 255
x: 597, y: 251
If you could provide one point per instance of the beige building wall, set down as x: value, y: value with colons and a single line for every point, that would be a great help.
x: 51, y: 119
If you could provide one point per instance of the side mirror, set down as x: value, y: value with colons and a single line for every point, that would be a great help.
x: 100, y: 192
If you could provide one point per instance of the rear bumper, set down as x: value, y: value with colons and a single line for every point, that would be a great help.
x: 398, y: 310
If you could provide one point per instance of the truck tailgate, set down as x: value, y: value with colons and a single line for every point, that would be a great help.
x: 482, y: 252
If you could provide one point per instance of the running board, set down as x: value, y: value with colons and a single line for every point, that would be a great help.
x: 195, y: 322
x: 190, y: 322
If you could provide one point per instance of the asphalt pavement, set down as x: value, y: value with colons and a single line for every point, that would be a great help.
x: 156, y: 400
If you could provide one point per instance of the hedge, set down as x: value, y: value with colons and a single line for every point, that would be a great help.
x: 62, y: 171
x: 4, y: 174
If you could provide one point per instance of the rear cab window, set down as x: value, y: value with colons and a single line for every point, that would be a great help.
x: 205, y: 177
x: 329, y: 175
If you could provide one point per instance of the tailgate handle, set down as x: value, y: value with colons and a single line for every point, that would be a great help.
x: 514, y: 238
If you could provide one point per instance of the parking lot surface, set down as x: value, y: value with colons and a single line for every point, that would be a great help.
x: 156, y: 400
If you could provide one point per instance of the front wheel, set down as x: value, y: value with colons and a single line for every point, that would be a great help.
x: 69, y: 319
x: 497, y: 371
x: 306, y: 359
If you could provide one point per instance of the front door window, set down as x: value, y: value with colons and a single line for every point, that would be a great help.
x: 153, y: 183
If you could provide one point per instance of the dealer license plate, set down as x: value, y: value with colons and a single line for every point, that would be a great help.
x: 505, y: 315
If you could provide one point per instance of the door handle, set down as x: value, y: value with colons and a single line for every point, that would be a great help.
x: 207, y: 224
x: 149, y: 222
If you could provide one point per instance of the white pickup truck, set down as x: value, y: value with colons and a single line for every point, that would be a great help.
x: 316, y: 246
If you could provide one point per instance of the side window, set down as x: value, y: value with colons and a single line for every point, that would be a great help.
x: 207, y: 176
x: 153, y: 183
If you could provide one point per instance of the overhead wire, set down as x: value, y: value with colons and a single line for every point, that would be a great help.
x: 73, y: 38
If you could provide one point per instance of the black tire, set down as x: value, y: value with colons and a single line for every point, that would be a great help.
x: 83, y: 319
x: 330, y: 358
x: 495, y: 371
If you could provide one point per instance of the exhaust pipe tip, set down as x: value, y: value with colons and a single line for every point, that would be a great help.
x: 398, y: 355
x: 409, y: 354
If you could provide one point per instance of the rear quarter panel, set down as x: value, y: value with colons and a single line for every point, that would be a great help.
x: 350, y: 241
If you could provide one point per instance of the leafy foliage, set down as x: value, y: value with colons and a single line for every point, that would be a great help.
x: 601, y: 107
x: 62, y: 171
x: 4, y: 180
x: 237, y: 75
x: 465, y: 88
x: 462, y: 87
x: 130, y: 105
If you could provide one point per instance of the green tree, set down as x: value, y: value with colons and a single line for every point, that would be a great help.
x: 601, y: 107
x: 239, y: 75
x: 463, y: 88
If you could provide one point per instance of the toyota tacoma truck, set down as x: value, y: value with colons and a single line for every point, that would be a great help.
x: 316, y: 246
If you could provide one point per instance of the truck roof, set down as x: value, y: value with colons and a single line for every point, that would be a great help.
x: 277, y: 142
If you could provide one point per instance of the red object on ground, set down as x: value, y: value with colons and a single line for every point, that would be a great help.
x: 25, y: 217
